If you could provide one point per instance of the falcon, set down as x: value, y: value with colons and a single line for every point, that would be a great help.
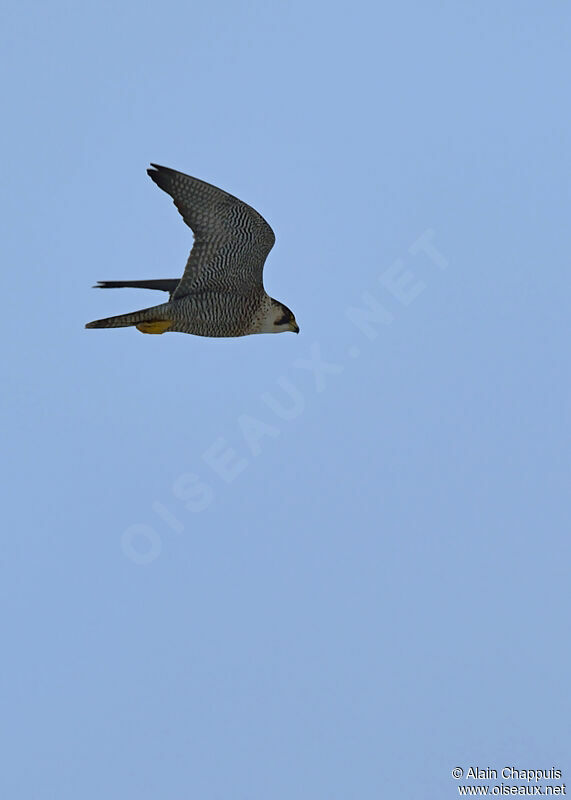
x: 221, y: 292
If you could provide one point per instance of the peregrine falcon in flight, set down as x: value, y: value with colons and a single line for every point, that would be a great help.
x: 221, y: 292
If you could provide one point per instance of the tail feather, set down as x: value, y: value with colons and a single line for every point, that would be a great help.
x: 126, y: 320
x: 162, y: 284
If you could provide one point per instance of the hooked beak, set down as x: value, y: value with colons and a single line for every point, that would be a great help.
x: 294, y: 327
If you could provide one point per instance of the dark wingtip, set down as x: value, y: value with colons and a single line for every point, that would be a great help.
x: 156, y: 169
x: 159, y: 175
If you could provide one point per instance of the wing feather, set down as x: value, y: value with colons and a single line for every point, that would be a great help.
x: 231, y: 239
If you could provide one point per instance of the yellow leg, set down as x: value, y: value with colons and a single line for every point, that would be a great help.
x: 155, y: 326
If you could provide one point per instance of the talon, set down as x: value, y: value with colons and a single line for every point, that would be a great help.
x: 155, y: 326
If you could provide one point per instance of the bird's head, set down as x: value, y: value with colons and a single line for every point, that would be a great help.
x: 279, y: 319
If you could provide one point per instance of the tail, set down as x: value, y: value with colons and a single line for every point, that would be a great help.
x: 155, y: 318
x: 164, y: 285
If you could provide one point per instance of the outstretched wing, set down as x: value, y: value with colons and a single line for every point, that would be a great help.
x: 231, y: 240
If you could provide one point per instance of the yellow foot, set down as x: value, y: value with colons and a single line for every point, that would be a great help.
x: 155, y: 326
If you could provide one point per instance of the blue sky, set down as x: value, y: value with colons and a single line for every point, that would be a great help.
x: 375, y: 588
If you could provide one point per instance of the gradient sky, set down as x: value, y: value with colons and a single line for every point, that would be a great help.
x: 333, y: 565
